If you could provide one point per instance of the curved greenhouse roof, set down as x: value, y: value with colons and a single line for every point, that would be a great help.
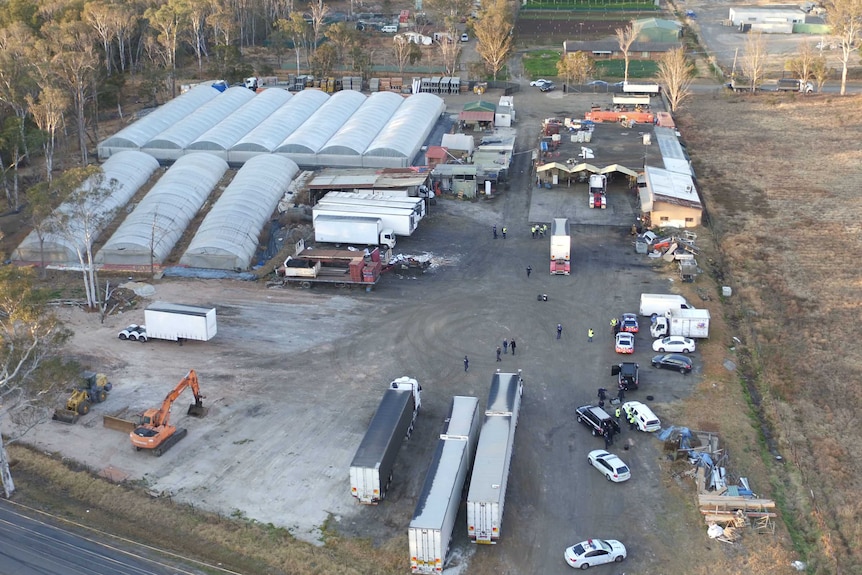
x: 162, y: 216
x: 184, y: 132
x: 228, y: 132
x: 228, y: 237
x: 364, y: 125
x: 405, y: 132
x: 282, y: 123
x: 139, y: 133
x: 122, y: 176
x: 317, y: 130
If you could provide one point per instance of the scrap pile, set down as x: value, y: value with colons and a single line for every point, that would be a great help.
x: 679, y: 248
x: 726, y: 508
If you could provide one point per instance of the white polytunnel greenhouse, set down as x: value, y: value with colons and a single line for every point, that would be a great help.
x: 171, y: 144
x: 302, y: 146
x: 362, y: 127
x: 218, y: 139
x: 152, y: 230
x: 402, y: 137
x: 228, y: 237
x: 269, y: 135
x: 134, y: 136
x: 122, y: 176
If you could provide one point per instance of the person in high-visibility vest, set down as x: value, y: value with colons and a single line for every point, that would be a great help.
x: 617, y: 413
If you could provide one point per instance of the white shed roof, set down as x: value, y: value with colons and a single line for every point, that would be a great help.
x: 228, y: 236
x: 165, y: 212
x: 228, y: 132
x: 364, y: 125
x: 672, y: 154
x: 410, y: 125
x: 283, y: 122
x: 136, y: 135
x: 317, y: 130
x: 122, y: 176
x: 185, y: 131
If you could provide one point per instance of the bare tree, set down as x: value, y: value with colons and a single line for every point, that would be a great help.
x: 675, y: 72
x: 405, y: 52
x: 449, y: 51
x: 625, y: 38
x: 124, y: 20
x: 38, y: 215
x: 493, y: 34
x: 48, y: 113
x: 99, y: 15
x: 801, y: 65
x: 197, y: 12
x: 319, y: 11
x: 299, y: 31
x: 168, y: 20
x: 575, y: 67
x: 754, y: 58
x: 29, y: 336
x: 845, y: 18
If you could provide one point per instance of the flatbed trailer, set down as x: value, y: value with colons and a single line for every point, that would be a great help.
x: 342, y: 268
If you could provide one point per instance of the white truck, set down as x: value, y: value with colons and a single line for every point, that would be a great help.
x: 487, y: 495
x: 355, y: 230
x: 692, y: 323
x: 173, y: 322
x: 430, y: 530
x: 647, y: 89
x: 598, y: 190
x: 402, y: 221
x: 371, y: 469
x: 388, y: 199
x: 659, y: 303
x: 561, y: 247
x: 795, y: 85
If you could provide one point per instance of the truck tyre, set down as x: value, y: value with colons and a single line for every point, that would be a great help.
x: 305, y: 285
x: 84, y: 408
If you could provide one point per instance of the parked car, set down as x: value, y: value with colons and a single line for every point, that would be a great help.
x: 597, y: 419
x: 629, y: 323
x: 625, y: 343
x: 465, y: 38
x: 627, y: 375
x: 540, y: 82
x: 674, y: 343
x: 549, y: 87
x: 597, y: 84
x: 609, y: 465
x: 595, y: 552
x: 645, y: 419
x: 675, y: 361
x: 134, y: 332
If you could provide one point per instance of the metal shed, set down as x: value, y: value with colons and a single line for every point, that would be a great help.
x: 150, y: 232
x: 401, y: 138
x: 123, y: 174
x: 134, y: 136
x: 228, y: 237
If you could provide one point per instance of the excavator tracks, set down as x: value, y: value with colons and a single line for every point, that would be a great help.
x: 170, y: 441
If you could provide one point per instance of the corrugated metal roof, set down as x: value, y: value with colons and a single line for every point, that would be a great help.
x: 476, y: 116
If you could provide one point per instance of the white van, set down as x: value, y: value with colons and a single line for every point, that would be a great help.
x: 660, y: 304
x: 389, y: 29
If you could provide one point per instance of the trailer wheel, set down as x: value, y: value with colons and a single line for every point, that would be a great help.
x: 305, y: 285
x: 340, y: 285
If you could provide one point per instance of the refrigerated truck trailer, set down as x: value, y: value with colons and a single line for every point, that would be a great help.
x: 178, y: 322
x: 376, y: 198
x: 430, y: 530
x: 561, y: 247
x: 353, y: 230
x: 487, y: 495
x: 402, y: 221
x: 371, y: 469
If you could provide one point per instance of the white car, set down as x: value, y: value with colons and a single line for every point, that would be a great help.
x: 625, y: 343
x: 540, y: 82
x: 595, y: 552
x: 134, y: 332
x: 645, y: 419
x: 609, y: 465
x: 674, y: 344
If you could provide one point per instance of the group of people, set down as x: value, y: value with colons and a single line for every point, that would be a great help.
x: 504, y: 231
x: 539, y: 230
x: 505, y: 350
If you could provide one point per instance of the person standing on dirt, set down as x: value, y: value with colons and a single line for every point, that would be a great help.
x: 505, y: 346
x: 499, y: 351
x: 495, y: 231
x: 505, y: 231
x: 590, y: 334
x: 513, y: 346
x: 466, y: 364
x: 529, y: 270
x: 559, y: 330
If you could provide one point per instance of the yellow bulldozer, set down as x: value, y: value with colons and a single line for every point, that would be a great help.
x: 94, y: 388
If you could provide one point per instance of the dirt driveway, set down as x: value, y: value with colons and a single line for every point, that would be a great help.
x: 293, y: 378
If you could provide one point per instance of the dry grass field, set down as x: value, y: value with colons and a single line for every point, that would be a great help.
x: 781, y: 176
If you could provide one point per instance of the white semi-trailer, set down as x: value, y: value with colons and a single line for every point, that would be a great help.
x: 352, y: 230
x: 430, y: 530
x: 646, y: 89
x: 173, y: 322
x: 371, y: 469
x: 377, y: 199
x: 561, y: 247
x: 487, y: 495
x: 401, y: 220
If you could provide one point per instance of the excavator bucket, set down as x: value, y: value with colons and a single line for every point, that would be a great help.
x: 197, y: 409
x: 65, y: 416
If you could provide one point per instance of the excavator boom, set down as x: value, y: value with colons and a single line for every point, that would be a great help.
x: 155, y: 432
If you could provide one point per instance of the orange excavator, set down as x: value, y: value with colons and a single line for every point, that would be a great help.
x: 155, y: 433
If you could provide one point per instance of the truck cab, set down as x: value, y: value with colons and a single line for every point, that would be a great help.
x: 598, y: 190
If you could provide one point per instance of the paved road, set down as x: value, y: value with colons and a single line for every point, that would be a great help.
x: 33, y: 547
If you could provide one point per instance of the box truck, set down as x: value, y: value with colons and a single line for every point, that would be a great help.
x: 371, y: 469
x: 403, y: 221
x: 356, y: 230
x: 659, y: 303
x: 378, y: 198
x: 487, y: 495
x: 561, y: 247
x: 430, y: 530
x: 173, y: 322
x: 685, y: 322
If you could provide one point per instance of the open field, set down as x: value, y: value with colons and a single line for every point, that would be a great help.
x: 781, y: 176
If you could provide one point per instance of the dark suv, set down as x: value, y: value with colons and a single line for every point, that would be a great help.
x: 597, y: 419
x: 627, y: 375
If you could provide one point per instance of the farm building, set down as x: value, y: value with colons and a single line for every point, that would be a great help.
x: 774, y: 19
x: 347, y: 129
x: 122, y: 176
x: 669, y: 199
x: 610, y: 49
x: 477, y: 115
x: 674, y: 157
x: 658, y: 30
